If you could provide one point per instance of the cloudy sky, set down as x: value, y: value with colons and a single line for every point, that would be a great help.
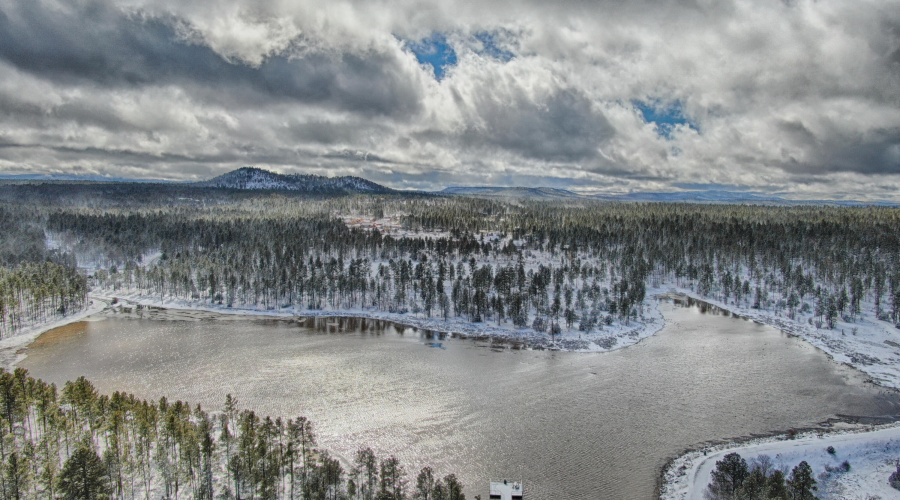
x: 795, y: 97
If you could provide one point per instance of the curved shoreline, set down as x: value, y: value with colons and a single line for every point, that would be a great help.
x: 12, y: 349
x: 811, y: 335
x: 608, y: 339
x: 676, y: 478
x: 682, y: 477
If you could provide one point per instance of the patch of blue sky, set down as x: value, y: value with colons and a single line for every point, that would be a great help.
x: 666, y: 116
x: 491, y: 47
x: 435, y: 52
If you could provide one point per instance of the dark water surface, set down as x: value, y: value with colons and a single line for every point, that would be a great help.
x: 570, y: 425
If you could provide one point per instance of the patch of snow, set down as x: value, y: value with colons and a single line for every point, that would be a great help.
x: 872, y: 454
x: 150, y: 258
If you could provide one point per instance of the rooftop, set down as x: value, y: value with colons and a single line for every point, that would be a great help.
x: 506, y: 489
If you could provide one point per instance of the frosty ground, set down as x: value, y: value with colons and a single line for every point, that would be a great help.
x: 872, y: 455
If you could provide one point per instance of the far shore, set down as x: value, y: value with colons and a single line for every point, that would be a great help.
x: 608, y: 338
x: 14, y: 349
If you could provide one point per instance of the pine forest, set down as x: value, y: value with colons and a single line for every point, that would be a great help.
x: 561, y: 274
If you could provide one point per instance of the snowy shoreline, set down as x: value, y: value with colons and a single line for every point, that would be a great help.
x: 610, y: 338
x: 873, y: 350
x: 874, y: 448
x: 872, y: 452
x: 844, y: 350
x: 13, y: 349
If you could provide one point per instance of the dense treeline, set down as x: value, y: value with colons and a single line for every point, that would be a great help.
x: 76, y: 443
x: 20, y: 242
x: 319, y: 263
x: 34, y: 293
x: 548, y: 265
x: 551, y: 266
x: 735, y: 479
x: 73, y: 194
x: 36, y: 283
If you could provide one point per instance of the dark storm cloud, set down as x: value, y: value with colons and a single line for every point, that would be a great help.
x: 81, y: 113
x: 135, y: 157
x: 356, y: 156
x: 798, y: 133
x: 875, y: 155
x: 560, y: 127
x: 92, y: 43
x: 877, y: 152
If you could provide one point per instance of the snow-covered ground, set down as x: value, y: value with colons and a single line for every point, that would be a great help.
x: 872, y: 455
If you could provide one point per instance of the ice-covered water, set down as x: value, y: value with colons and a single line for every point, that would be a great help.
x: 571, y: 425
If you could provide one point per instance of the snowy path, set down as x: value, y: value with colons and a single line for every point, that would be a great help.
x: 872, y: 456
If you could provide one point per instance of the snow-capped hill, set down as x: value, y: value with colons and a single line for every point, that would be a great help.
x: 251, y: 178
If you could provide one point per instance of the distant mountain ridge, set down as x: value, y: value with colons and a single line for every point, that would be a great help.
x: 251, y: 178
x: 706, y: 196
x: 698, y: 196
x: 710, y: 196
x: 510, y: 192
x: 76, y: 178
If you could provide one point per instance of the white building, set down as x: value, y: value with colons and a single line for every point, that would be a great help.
x: 506, y: 490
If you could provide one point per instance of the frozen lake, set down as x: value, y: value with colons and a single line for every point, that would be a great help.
x: 571, y: 425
